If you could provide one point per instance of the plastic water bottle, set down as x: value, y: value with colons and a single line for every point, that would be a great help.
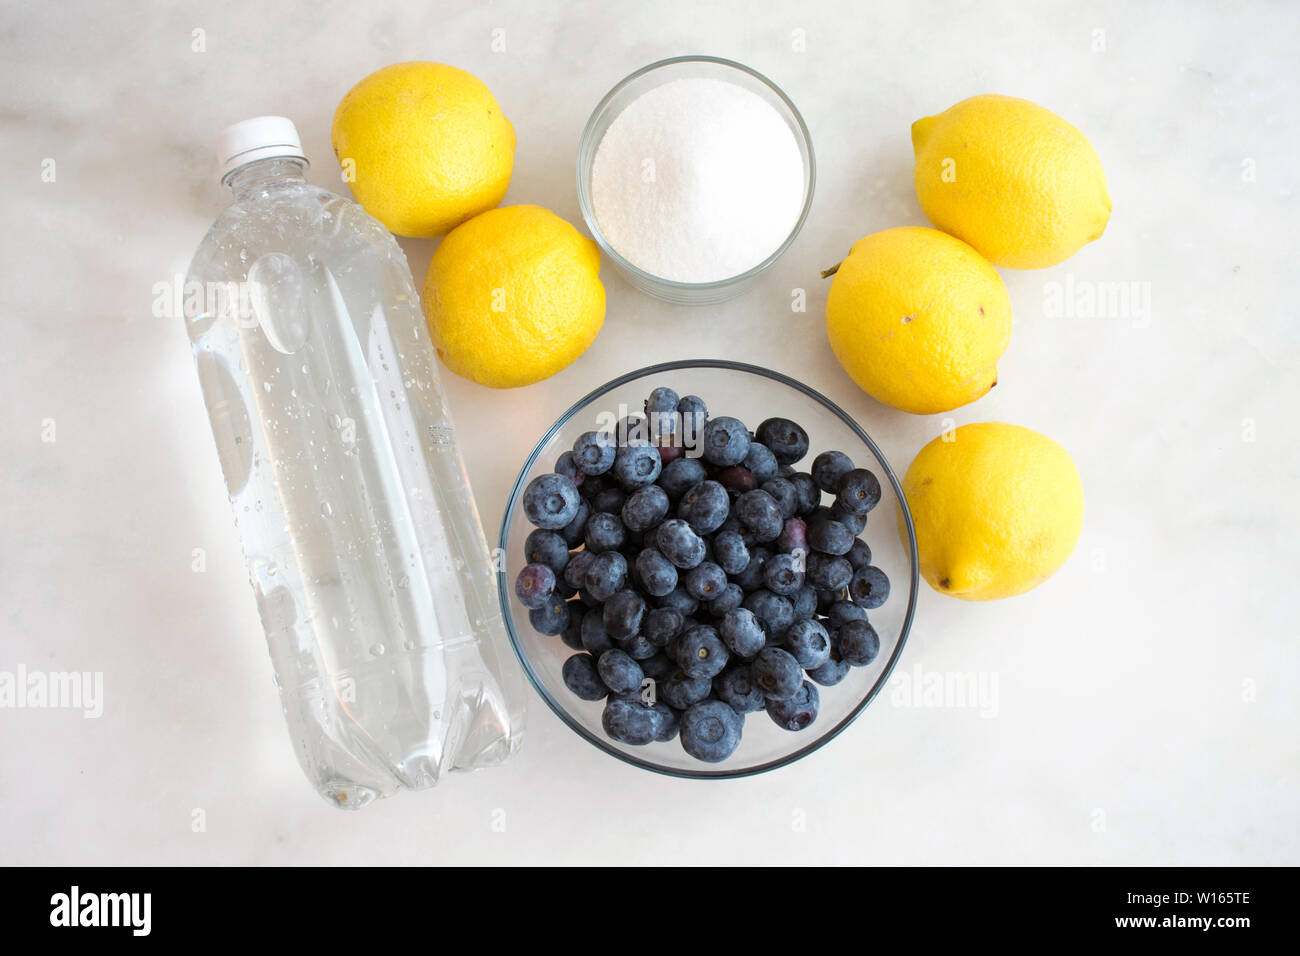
x: 363, y: 545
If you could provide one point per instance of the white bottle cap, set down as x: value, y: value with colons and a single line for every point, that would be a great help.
x: 261, y: 137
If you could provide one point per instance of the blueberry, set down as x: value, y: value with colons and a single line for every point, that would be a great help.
x: 798, y: 711
x: 827, y: 598
x: 594, y: 452
x: 572, y: 633
x: 657, y: 575
x: 841, y: 612
x: 774, y: 612
x: 693, y: 411
x: 605, y: 532
x: 609, y: 501
x: 548, y: 548
x: 859, y: 491
x: 730, y: 597
x: 680, y: 544
x: 680, y: 691
x: 742, y: 632
x: 658, y: 666
x: 679, y: 600
x: 566, y: 466
x: 760, y: 514
x: 670, y: 451
x: 693, y: 407
x: 737, y: 478
x: 859, y: 643
x: 829, y: 537
x: 828, y: 573
x: 751, y: 578
x: 705, y: 507
x: 591, y: 485
x: 607, y: 575
x: 760, y: 462
x: 734, y: 524
x: 551, y: 618
x: 582, y: 678
x: 735, y: 686
x: 777, y: 674
x: 595, y: 640
x: 662, y: 399
x: 854, y: 522
x: 637, y: 647
x: 859, y: 554
x: 804, y: 602
x: 783, y: 492
x: 534, y: 585
x: 788, y: 441
x: 645, y: 508
x: 637, y: 465
x: 701, y: 653
x: 807, y: 494
x: 828, y: 468
x: 551, y: 501
x: 808, y: 643
x: 575, y: 572
x: 725, y: 441
x: 623, y: 613
x: 794, y: 536
x: 629, y: 721
x: 783, y: 574
x: 619, y: 672
x: 671, y: 647
x: 728, y: 550
x: 668, y: 722
x: 830, y: 673
x: 710, y: 731
x: 573, y: 532
x: 869, y: 587
x: 662, y: 624
x: 705, y: 581
x: 681, y: 476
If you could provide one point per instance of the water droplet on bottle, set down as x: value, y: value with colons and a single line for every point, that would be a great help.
x: 327, y: 510
x: 266, y: 386
x: 377, y: 650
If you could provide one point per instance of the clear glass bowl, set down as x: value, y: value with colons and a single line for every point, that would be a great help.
x: 640, y: 82
x: 751, y: 394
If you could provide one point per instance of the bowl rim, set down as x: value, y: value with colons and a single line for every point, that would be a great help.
x: 584, y: 186
x: 504, y: 590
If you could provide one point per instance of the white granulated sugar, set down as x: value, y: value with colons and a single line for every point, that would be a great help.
x: 697, y: 180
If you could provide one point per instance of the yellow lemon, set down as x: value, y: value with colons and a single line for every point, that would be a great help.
x: 425, y: 147
x: 513, y: 296
x: 997, y: 509
x: 918, y: 319
x: 1011, y: 178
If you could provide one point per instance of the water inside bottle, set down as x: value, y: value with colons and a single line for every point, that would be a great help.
x: 363, y: 546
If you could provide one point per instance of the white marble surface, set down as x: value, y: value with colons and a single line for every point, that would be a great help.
x: 1146, y: 708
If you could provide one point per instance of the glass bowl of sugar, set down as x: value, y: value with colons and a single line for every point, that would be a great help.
x: 694, y: 175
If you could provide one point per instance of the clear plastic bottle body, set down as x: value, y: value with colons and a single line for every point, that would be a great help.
x: 373, y: 579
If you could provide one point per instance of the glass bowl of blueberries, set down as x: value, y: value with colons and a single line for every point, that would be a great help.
x: 709, y: 569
